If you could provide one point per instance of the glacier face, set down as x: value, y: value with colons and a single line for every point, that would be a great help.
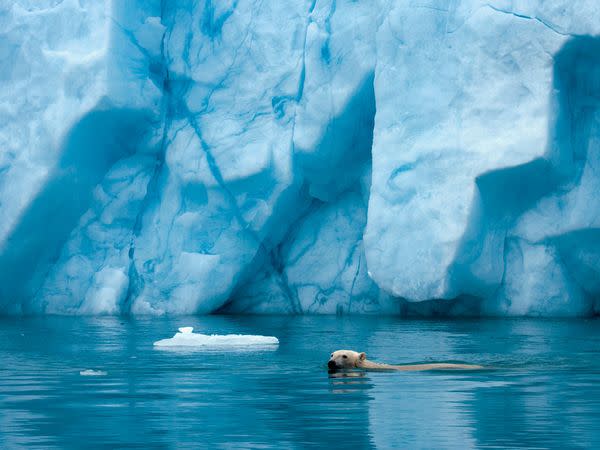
x: 327, y: 156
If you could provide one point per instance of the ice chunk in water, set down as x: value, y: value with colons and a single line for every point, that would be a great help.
x: 92, y: 373
x: 186, y: 338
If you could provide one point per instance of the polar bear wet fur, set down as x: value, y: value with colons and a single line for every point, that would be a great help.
x: 349, y: 359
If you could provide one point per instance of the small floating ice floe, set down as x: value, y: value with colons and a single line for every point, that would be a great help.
x: 188, y: 340
x: 92, y: 373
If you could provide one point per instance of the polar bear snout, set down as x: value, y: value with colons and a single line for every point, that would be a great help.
x: 331, y: 365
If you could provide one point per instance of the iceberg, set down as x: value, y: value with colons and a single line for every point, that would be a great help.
x: 185, y: 338
x: 329, y: 157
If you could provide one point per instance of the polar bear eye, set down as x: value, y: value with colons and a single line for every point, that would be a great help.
x: 345, y: 356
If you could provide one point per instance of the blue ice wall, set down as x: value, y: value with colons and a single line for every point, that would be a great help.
x: 330, y: 156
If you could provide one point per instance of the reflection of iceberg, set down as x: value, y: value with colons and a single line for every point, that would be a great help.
x: 185, y: 338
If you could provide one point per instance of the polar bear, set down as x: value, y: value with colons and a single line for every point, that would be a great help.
x: 349, y: 359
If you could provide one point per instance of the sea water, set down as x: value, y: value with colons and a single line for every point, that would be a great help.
x: 87, y: 382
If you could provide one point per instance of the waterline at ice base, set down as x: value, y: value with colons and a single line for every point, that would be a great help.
x: 306, y: 157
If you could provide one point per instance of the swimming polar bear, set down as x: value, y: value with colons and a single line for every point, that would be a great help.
x: 349, y: 359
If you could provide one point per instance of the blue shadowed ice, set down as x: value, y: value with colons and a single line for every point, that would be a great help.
x: 300, y: 157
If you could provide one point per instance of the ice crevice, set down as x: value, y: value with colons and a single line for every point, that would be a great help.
x: 537, y: 19
x: 134, y: 283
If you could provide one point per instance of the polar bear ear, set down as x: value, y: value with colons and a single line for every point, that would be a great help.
x: 362, y: 356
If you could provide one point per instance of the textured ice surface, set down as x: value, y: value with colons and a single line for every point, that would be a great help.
x: 186, y: 338
x: 300, y: 157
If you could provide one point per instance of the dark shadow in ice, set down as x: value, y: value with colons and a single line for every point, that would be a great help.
x: 344, y: 150
x: 93, y: 145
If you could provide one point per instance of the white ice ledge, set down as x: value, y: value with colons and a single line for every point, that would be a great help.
x: 185, y: 338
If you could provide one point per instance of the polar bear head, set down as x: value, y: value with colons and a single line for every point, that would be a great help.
x: 345, y: 359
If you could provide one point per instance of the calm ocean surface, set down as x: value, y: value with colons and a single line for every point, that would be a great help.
x: 542, y: 391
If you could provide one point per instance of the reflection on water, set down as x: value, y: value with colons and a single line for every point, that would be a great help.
x: 543, y: 390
